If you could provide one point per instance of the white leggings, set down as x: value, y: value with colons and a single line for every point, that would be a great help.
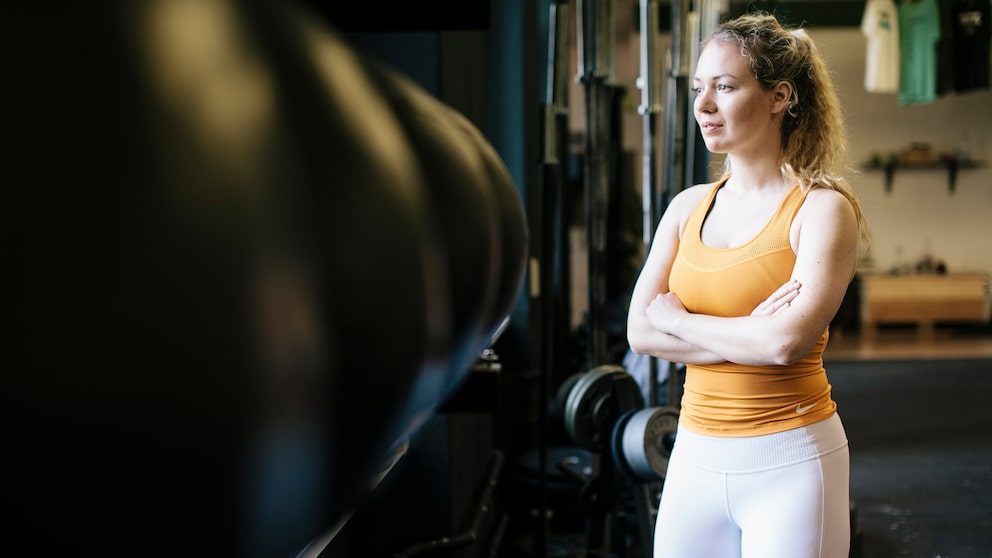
x: 782, y: 495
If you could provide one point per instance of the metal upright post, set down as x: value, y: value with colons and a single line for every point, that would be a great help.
x: 650, y: 108
x: 596, y: 45
x: 555, y: 163
x: 676, y: 126
x: 677, y: 104
x: 553, y: 241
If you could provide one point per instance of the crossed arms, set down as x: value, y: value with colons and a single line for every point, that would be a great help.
x: 780, y: 330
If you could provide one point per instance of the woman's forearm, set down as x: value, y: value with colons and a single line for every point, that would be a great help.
x: 769, y: 336
x: 645, y: 339
x: 750, y: 340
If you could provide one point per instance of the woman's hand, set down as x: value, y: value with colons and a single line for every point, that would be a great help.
x: 779, y: 300
x: 664, y: 311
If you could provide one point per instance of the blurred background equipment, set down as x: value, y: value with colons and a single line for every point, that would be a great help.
x: 252, y: 264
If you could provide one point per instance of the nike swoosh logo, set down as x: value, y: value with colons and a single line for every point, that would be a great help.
x: 800, y: 409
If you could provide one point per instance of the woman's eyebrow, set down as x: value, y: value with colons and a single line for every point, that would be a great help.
x: 714, y: 78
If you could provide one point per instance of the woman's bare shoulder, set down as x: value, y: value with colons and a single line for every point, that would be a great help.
x: 824, y: 214
x: 691, y: 196
x: 681, y: 207
x: 826, y: 201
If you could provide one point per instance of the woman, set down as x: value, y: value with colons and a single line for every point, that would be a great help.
x: 740, y: 284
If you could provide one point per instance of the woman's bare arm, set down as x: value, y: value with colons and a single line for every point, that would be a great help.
x: 653, y: 279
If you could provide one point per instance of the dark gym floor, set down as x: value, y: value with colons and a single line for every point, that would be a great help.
x: 920, y: 435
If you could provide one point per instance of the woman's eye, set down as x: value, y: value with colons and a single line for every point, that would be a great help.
x: 696, y: 90
x: 723, y: 87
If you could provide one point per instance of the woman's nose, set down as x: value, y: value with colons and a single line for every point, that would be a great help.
x: 704, y: 102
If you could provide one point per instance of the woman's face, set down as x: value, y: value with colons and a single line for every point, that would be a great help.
x: 735, y: 114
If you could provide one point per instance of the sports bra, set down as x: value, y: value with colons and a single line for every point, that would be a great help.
x: 730, y: 399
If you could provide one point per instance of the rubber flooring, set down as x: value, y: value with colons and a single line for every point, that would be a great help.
x: 920, y: 435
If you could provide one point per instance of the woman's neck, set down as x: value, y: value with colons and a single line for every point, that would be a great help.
x: 755, y: 175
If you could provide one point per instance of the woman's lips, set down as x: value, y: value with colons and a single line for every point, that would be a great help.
x: 709, y: 127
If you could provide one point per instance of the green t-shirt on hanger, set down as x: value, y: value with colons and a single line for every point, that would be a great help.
x: 919, y: 30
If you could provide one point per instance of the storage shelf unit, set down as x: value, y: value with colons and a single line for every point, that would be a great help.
x: 924, y: 300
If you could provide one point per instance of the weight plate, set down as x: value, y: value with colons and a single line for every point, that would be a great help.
x: 591, y: 409
x: 646, y: 442
x: 616, y: 442
x: 561, y: 396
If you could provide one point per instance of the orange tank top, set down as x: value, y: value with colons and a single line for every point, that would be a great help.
x: 729, y: 399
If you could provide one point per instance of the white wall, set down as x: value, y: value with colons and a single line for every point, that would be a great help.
x: 919, y: 214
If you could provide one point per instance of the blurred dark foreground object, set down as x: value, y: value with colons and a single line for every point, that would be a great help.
x: 250, y: 265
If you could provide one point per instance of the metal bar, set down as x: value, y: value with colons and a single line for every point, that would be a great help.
x: 691, y: 35
x: 553, y: 244
x: 650, y: 108
x: 675, y: 110
x: 595, y: 39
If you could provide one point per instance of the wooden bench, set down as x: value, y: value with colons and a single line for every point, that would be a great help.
x: 924, y: 300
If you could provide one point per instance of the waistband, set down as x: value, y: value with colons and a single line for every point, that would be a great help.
x: 759, y: 453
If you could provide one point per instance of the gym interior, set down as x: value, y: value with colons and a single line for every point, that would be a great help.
x: 316, y: 278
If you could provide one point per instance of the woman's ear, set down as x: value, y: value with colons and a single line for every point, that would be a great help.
x: 782, y: 97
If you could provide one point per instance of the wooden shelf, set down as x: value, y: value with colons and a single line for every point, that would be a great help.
x: 951, y: 165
